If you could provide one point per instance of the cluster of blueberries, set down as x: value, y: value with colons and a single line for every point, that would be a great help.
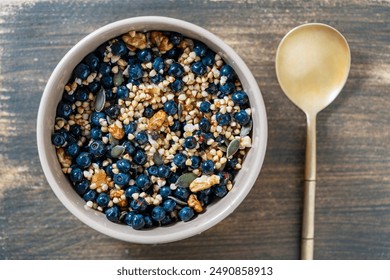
x: 97, y: 151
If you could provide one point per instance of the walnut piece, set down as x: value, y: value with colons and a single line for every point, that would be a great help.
x: 157, y: 120
x: 162, y: 42
x: 99, y: 178
x: 194, y: 203
x: 204, y: 182
x: 135, y: 40
x: 116, y: 131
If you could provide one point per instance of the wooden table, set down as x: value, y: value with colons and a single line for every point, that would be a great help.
x: 353, y: 188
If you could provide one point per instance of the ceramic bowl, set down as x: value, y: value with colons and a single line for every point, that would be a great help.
x: 75, y: 204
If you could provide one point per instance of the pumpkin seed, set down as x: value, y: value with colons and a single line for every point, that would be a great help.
x: 178, y: 201
x: 180, y: 110
x: 100, y: 100
x: 246, y: 129
x: 118, y: 78
x: 157, y: 158
x: 117, y: 151
x: 185, y: 180
x: 233, y: 148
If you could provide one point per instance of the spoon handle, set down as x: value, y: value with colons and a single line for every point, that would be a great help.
x: 307, y: 243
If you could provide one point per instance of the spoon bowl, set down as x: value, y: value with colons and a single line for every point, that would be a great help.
x: 312, y: 66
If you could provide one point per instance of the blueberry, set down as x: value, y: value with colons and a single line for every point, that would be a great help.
x: 82, y: 186
x: 96, y: 133
x: 83, y: 160
x: 148, y: 112
x: 139, y: 204
x: 186, y: 213
x: 223, y: 119
x: 92, y: 61
x: 113, y: 111
x: 82, y: 71
x: 182, y: 193
x: 108, y: 170
x: 75, y: 130
x: 123, y: 165
x: 158, y: 213
x: 174, y: 53
x: 64, y: 109
x: 90, y: 195
x: 180, y: 160
x: 135, y: 71
x: 140, y: 157
x: 119, y: 48
x: 220, y: 190
x: 94, y: 87
x: 107, y: 81
x: 141, y: 137
x: 175, y: 38
x: 129, y: 146
x: 143, y: 182
x: 58, y: 139
x: 240, y: 98
x: 165, y: 191
x: 158, y: 64
x: 166, y: 221
x: 72, y: 149
x: 204, y: 107
x: 148, y: 221
x: 242, y: 117
x: 121, y: 179
x: 231, y: 164
x: 104, y: 69
x: 122, y: 92
x: 212, y: 88
x: 156, y: 79
x: 169, y: 205
x: 226, y: 89
x: 198, y: 68
x: 81, y: 94
x: 195, y: 162
x: 112, y: 214
x: 208, y: 167
x: 145, y: 55
x: 138, y: 221
x: 70, y: 98
x: 170, y: 107
x: 177, y: 85
x: 204, y: 125
x: 177, y: 126
x: 164, y: 171
x: 190, y: 142
x: 209, y: 59
x: 109, y: 94
x: 225, y: 177
x: 200, y: 49
x: 130, y: 191
x: 172, y: 179
x: 76, y: 175
x: 227, y: 71
x: 97, y: 148
x: 205, y: 196
x: 176, y: 70
x: 96, y: 116
x: 129, y: 218
x: 130, y: 128
x: 153, y: 170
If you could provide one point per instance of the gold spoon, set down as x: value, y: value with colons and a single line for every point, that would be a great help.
x: 312, y: 66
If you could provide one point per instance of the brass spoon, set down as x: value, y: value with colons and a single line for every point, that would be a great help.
x: 312, y: 66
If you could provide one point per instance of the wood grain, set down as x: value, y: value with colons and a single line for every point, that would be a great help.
x: 353, y: 197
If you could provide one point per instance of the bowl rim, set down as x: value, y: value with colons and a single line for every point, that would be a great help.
x: 162, y: 236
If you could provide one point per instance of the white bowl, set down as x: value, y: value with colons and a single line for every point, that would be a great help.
x: 75, y: 204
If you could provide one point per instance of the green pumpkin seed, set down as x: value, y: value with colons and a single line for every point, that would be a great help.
x: 178, y: 201
x: 180, y: 110
x: 157, y: 158
x: 233, y: 148
x: 185, y: 180
x: 118, y: 78
x: 246, y: 129
x: 100, y: 100
x: 117, y: 151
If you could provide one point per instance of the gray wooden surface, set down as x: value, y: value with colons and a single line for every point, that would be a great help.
x: 353, y: 196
